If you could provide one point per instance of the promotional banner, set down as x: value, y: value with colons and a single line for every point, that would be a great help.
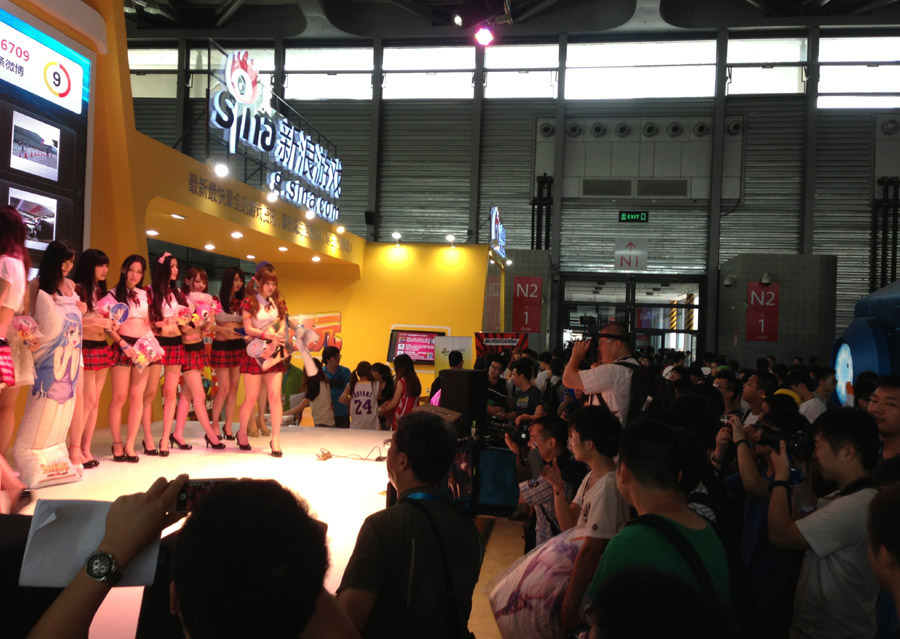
x: 40, y: 449
x: 498, y: 342
x: 527, y: 297
x: 442, y: 348
x: 762, y: 311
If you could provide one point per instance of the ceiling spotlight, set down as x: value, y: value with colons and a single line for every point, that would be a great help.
x: 484, y: 36
x: 251, y: 257
x: 129, y: 6
x: 152, y: 233
x: 451, y: 238
x: 151, y: 7
x: 221, y: 170
x: 340, y: 229
x: 237, y: 235
x: 396, y: 235
x: 272, y: 196
x: 509, y: 262
x: 209, y: 247
x: 316, y: 258
x: 282, y: 248
x: 470, y: 13
x: 310, y: 215
x: 177, y: 217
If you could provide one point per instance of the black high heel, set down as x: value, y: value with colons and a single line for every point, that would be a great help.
x: 275, y: 453
x: 162, y: 453
x: 240, y: 445
x: 117, y: 458
x: 91, y: 463
x: 225, y: 435
x: 209, y: 444
x: 131, y: 459
x: 178, y: 444
x: 152, y: 453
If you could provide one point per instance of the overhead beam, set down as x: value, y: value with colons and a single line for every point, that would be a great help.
x: 223, y: 14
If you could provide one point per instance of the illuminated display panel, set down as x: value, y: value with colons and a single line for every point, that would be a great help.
x: 44, y: 114
x: 419, y: 345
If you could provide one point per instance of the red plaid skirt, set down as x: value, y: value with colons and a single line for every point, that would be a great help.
x: 249, y: 366
x: 7, y: 370
x: 173, y: 351
x: 97, y: 355
x: 195, y: 357
x: 118, y: 355
x: 227, y: 354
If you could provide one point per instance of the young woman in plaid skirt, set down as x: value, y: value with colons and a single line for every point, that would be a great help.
x: 127, y: 382
x: 194, y: 286
x: 166, y: 302
x: 90, y: 284
x: 227, y: 348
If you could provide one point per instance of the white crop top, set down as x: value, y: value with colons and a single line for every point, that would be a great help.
x: 13, y: 271
x: 170, y: 306
x: 265, y: 317
x: 139, y: 309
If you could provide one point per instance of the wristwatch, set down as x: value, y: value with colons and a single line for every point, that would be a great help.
x: 102, y: 567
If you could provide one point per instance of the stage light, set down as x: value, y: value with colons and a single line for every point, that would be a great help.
x: 310, y: 215
x: 176, y: 216
x: 451, y: 238
x: 152, y: 233
x: 484, y: 36
x: 237, y: 235
x: 396, y: 235
x: 457, y: 19
x: 251, y: 257
x: 340, y: 229
x: 282, y: 248
x: 209, y: 247
x: 272, y: 196
x: 316, y: 258
x: 470, y: 13
x: 509, y: 262
x: 221, y: 170
x: 129, y: 6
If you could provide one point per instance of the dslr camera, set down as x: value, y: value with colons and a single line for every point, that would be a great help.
x: 799, y: 444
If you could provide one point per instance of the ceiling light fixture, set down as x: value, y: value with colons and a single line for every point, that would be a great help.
x: 282, y: 249
x: 221, y: 170
x: 396, y: 235
x: 209, y: 247
x: 251, y: 257
x: 484, y: 36
x: 340, y: 229
x: 152, y: 233
x: 129, y: 6
x: 237, y: 235
x: 272, y: 196
x: 316, y: 258
x: 310, y: 215
x: 509, y: 262
x: 176, y: 216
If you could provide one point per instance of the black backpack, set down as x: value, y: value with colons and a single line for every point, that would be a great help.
x: 650, y: 392
x: 549, y: 399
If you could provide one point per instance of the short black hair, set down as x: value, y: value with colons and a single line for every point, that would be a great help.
x: 843, y: 426
x: 799, y: 376
x: 597, y: 424
x: 822, y: 372
x: 782, y: 402
x: 329, y: 352
x: 732, y: 383
x: 530, y: 354
x: 557, y: 366
x: 429, y: 442
x: 287, y: 571
x: 523, y: 367
x: 553, y: 426
x: 545, y: 357
x: 888, y: 381
x: 767, y: 383
x: 788, y: 421
x: 651, y: 451
x: 455, y: 358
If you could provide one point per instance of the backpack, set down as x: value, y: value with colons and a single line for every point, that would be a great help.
x: 650, y: 392
x: 549, y: 399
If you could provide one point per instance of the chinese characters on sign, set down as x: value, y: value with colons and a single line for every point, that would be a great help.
x: 239, y: 112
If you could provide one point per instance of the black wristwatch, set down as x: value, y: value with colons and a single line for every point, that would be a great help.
x: 102, y: 567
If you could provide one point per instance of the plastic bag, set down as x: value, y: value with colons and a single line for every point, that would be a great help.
x: 527, y: 598
x: 146, y: 351
x: 41, y: 467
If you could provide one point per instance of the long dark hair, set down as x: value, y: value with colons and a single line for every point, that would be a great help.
x: 50, y: 275
x: 314, y: 382
x: 12, y: 236
x: 363, y: 372
x: 403, y: 365
x: 121, y: 291
x: 387, y: 382
x: 84, y: 275
x: 228, y: 301
x: 191, y: 274
x: 162, y: 286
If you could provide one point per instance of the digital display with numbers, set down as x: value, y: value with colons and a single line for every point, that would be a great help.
x: 44, y: 107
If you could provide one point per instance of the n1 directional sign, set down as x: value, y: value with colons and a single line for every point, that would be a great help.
x: 631, y: 254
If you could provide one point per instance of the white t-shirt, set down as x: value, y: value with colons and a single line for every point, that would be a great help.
x: 812, y: 408
x: 13, y: 271
x: 836, y: 591
x: 322, y: 413
x: 541, y: 380
x: 364, y: 406
x: 613, y: 383
x: 603, y: 510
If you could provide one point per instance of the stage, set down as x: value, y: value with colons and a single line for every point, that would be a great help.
x: 341, y: 491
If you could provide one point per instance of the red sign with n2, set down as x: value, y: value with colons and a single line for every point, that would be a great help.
x: 526, y: 315
x: 762, y: 312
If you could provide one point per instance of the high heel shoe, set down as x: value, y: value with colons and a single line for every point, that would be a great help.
x: 178, y: 444
x: 162, y: 452
x: 131, y: 459
x: 117, y: 458
x: 226, y: 435
x: 91, y: 463
x: 242, y: 446
x: 209, y: 444
x: 275, y: 453
x: 152, y: 453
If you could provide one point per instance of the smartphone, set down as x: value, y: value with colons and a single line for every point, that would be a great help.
x: 193, y: 492
x: 535, y: 462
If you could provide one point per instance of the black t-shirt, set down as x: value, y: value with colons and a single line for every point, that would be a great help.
x: 526, y: 402
x: 496, y: 395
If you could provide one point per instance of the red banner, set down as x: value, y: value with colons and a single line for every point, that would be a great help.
x: 762, y: 312
x: 527, y: 297
x: 498, y: 342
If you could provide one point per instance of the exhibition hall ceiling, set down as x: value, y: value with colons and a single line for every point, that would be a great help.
x: 514, y: 19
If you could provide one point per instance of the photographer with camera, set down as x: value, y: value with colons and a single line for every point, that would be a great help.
x: 547, y: 439
x: 837, y: 591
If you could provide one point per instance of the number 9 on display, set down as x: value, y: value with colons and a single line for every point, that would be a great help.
x: 57, y: 79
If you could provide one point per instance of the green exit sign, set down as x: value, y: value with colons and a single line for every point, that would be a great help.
x: 634, y: 216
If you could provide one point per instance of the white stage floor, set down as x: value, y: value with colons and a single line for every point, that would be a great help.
x: 341, y: 491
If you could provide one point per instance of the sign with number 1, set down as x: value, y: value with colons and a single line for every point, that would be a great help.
x: 762, y: 312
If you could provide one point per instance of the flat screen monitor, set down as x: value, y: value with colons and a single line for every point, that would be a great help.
x: 419, y: 345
